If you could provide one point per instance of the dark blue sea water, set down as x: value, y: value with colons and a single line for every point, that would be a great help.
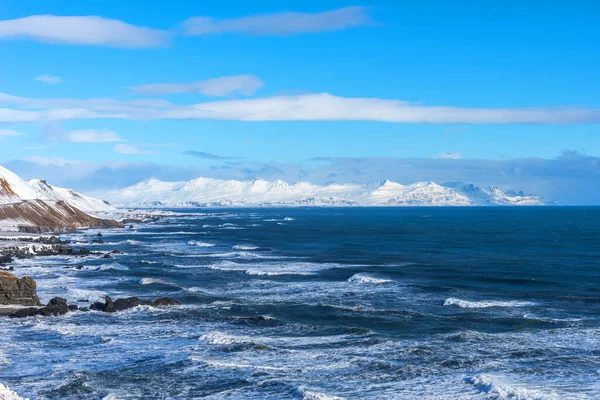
x: 355, y: 303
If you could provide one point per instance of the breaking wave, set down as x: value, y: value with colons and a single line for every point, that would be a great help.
x: 451, y: 301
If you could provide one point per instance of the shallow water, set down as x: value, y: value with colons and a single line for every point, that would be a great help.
x: 399, y: 303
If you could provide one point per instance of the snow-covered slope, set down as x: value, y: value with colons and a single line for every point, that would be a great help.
x: 85, y: 203
x: 213, y: 192
x: 36, y: 206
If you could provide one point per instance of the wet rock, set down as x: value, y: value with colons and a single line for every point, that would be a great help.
x: 72, y: 307
x: 84, y: 309
x: 107, y: 256
x: 130, y: 302
x: 165, y: 302
x: 54, y: 310
x: 24, y: 312
x: 116, y: 252
x: 18, y: 291
x: 80, y: 267
x: 130, y: 226
x: 99, y: 235
x: 57, y: 301
x: 98, y: 241
x: 5, y: 259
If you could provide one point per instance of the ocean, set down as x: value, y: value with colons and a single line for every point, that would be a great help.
x: 323, y: 303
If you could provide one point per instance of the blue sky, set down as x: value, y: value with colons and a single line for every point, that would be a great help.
x: 464, y: 80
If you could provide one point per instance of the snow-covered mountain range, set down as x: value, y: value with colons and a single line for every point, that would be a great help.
x: 36, y: 206
x: 214, y: 192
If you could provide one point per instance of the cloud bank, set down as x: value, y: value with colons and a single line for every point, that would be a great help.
x: 82, y: 30
x: 224, y: 86
x: 308, y: 107
x: 281, y: 24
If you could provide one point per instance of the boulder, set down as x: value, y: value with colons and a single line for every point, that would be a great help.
x: 17, y: 291
x: 72, y: 307
x: 130, y: 302
x: 54, y: 310
x: 98, y: 241
x: 116, y: 252
x: 107, y: 256
x: 165, y: 302
x: 57, y: 301
x: 24, y: 312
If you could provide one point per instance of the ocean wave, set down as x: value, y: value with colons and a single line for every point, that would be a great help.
x: 134, y: 242
x: 244, y: 247
x: 365, y: 278
x: 156, y: 281
x: 7, y: 394
x: 500, y: 391
x: 200, y: 244
x: 273, y: 269
x: 308, y: 394
x: 289, y: 219
x: 115, y: 266
x: 452, y: 301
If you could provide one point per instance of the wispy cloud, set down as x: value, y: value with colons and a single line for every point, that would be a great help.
x: 123, y: 148
x: 82, y: 30
x: 207, y: 156
x: 224, y: 86
x: 309, y: 107
x: 49, y: 79
x: 281, y: 24
x: 9, y: 132
x: 92, y: 136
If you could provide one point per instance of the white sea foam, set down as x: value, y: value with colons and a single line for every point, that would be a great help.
x: 115, y: 266
x: 7, y: 394
x: 151, y: 281
x: 366, y: 278
x: 134, y: 242
x: 495, y: 388
x: 274, y: 269
x: 451, y: 301
x: 308, y: 394
x: 86, y: 294
x: 244, y: 247
x: 200, y: 244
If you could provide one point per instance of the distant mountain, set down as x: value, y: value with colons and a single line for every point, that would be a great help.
x: 203, y: 192
x: 36, y: 206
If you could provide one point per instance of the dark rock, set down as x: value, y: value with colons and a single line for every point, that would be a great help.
x: 15, y: 290
x: 72, y: 307
x: 99, y: 234
x: 57, y: 301
x: 98, y: 241
x: 165, y: 302
x: 130, y: 302
x: 130, y: 226
x: 79, y: 267
x: 107, y: 256
x: 54, y: 310
x: 6, y: 259
x: 116, y: 252
x: 84, y: 309
x: 24, y: 312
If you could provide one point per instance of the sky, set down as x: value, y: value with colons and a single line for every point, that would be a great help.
x: 101, y: 95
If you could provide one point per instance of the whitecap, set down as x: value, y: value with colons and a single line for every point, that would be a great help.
x: 115, y: 266
x: 365, y: 278
x: 451, y: 301
x: 499, y: 390
x: 314, y: 395
x: 289, y: 219
x: 151, y: 281
x: 200, y: 244
x: 244, y: 247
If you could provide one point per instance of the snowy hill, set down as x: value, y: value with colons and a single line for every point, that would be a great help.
x: 232, y: 193
x: 36, y: 206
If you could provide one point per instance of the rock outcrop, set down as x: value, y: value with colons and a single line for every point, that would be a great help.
x: 17, y: 291
x: 130, y: 302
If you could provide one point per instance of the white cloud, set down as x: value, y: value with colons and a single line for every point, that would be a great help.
x: 130, y: 149
x: 224, y: 86
x: 49, y: 79
x: 307, y: 107
x: 9, y: 132
x: 51, y: 161
x: 91, y: 136
x: 280, y: 24
x: 82, y: 30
